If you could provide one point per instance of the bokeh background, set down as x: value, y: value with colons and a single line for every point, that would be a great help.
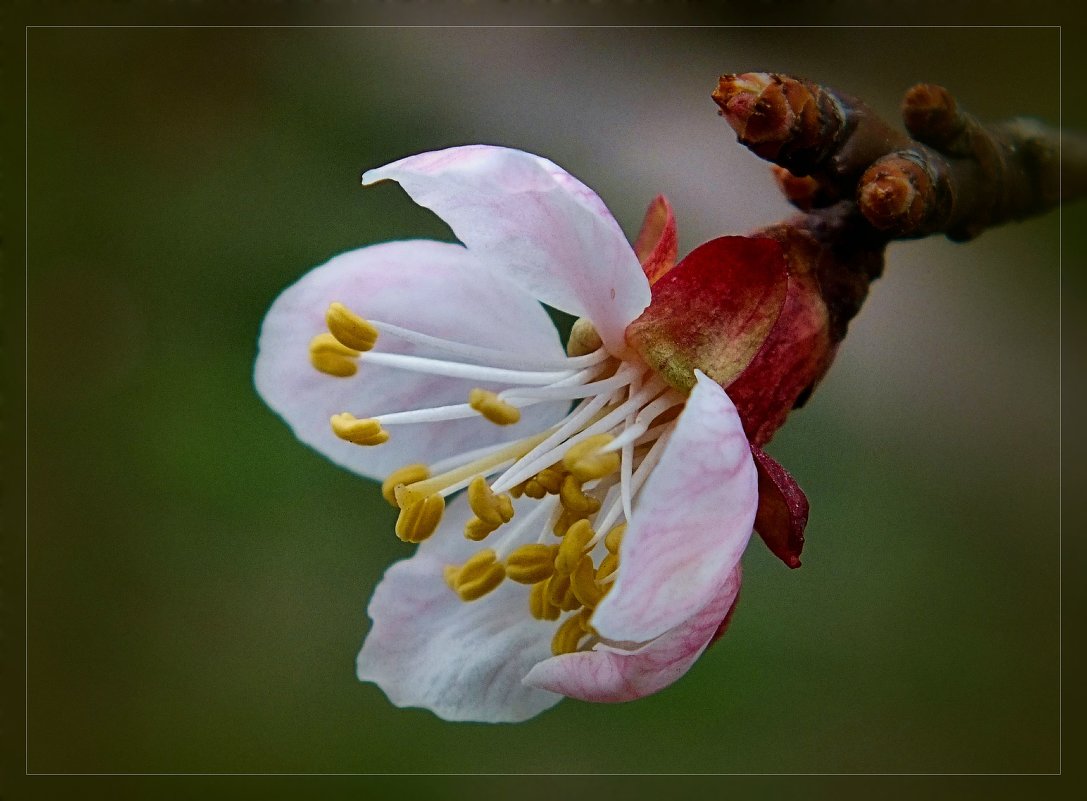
x: 197, y: 579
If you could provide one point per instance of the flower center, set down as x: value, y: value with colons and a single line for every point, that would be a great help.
x: 575, y: 483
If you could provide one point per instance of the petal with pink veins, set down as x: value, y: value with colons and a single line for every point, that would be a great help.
x: 690, y: 524
x: 462, y: 661
x: 433, y: 287
x: 610, y: 675
x: 536, y: 224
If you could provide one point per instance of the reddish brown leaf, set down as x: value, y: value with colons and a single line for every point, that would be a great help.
x: 783, y: 510
x: 713, y: 311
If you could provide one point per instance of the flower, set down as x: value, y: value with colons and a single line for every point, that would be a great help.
x: 609, y: 488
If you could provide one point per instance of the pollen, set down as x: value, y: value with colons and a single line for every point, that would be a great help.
x: 586, y: 461
x: 539, y: 605
x: 361, y: 432
x: 492, y: 509
x: 481, y: 574
x: 583, y: 338
x: 493, y: 408
x: 531, y: 563
x: 574, y: 546
x: 575, y: 500
x: 568, y: 635
x: 350, y: 329
x: 408, y: 474
x: 332, y: 357
x: 583, y: 584
x: 421, y: 519
x: 615, y: 538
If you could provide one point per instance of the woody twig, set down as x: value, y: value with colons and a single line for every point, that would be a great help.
x: 949, y: 174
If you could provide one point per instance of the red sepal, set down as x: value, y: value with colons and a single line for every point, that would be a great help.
x: 713, y: 311
x: 657, y: 243
x: 783, y: 510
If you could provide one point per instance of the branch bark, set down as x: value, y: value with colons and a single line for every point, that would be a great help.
x: 950, y: 174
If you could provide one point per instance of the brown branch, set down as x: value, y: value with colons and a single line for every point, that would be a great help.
x: 955, y: 176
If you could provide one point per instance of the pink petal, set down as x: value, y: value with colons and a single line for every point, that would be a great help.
x: 783, y: 510
x: 434, y: 287
x: 462, y: 661
x: 534, y: 223
x: 691, y: 523
x: 611, y: 675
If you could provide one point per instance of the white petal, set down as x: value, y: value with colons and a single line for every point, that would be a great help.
x: 535, y: 223
x: 691, y: 523
x: 462, y: 661
x: 433, y: 287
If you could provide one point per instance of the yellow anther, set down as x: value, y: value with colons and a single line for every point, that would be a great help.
x: 450, y: 573
x: 330, y: 356
x: 583, y: 338
x: 615, y: 538
x: 607, y: 566
x: 567, y: 636
x: 531, y: 563
x: 586, y: 462
x: 534, y: 489
x: 420, y: 520
x: 493, y: 407
x: 490, y: 508
x: 361, y: 432
x: 349, y: 328
x: 479, y: 575
x: 550, y: 478
x: 408, y: 474
x: 518, y: 490
x: 538, y: 604
x: 565, y: 519
x: 331, y: 364
x: 557, y: 588
x: 574, y: 545
x: 584, y: 619
x: 476, y: 529
x: 583, y: 584
x: 575, y: 500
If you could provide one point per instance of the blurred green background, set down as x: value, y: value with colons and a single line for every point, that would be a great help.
x: 197, y: 579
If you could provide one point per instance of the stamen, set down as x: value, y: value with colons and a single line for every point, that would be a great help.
x: 583, y: 338
x: 493, y: 408
x: 615, y: 538
x: 607, y: 566
x: 479, y: 575
x: 550, y: 478
x: 332, y: 357
x: 567, y: 636
x: 472, y: 372
x: 574, y: 546
x: 531, y: 563
x: 490, y: 508
x: 588, y: 460
x: 574, y: 498
x: 492, y: 356
x: 349, y: 328
x: 443, y: 482
x: 419, y: 520
x: 361, y: 432
x: 408, y: 474
x: 538, y: 604
x: 583, y: 583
